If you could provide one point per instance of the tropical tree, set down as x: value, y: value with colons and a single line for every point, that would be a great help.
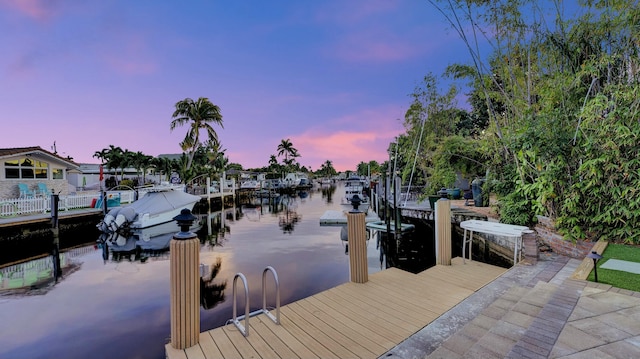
x: 115, y: 158
x: 560, y: 100
x: 327, y: 169
x: 274, y: 166
x: 165, y: 165
x: 286, y: 149
x: 198, y: 115
x: 101, y: 155
x: 142, y: 163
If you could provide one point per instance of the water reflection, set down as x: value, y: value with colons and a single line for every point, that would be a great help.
x: 154, y: 244
x: 283, y: 207
x: 140, y: 245
x: 126, y: 301
x: 38, y: 276
x: 327, y: 191
x: 211, y: 292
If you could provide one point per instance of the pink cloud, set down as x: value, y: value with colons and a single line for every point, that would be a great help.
x: 344, y: 149
x: 40, y: 10
x: 362, y: 136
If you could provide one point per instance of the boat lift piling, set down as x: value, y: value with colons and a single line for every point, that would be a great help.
x: 184, y: 260
x: 443, y: 230
x: 357, y: 237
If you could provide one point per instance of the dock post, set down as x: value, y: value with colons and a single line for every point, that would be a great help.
x: 443, y: 231
x: 357, y: 239
x: 185, y: 284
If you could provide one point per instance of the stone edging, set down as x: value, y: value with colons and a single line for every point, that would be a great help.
x: 583, y: 270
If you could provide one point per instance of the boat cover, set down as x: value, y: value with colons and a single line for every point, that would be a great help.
x: 163, y: 201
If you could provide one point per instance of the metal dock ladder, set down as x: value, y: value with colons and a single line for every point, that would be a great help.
x: 244, y: 329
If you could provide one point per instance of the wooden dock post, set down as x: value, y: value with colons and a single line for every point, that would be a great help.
x: 357, y: 239
x: 185, y: 284
x: 443, y: 231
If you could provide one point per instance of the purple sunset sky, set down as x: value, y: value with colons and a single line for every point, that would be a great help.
x: 332, y: 76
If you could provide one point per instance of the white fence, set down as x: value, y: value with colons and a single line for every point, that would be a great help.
x: 25, y: 206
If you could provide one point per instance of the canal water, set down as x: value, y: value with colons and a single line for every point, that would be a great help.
x: 113, y: 300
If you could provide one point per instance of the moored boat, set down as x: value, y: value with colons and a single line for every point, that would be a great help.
x: 158, y: 206
x: 355, y: 186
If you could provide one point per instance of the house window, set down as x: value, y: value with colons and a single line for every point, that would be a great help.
x: 25, y: 168
x: 11, y: 169
x: 57, y: 173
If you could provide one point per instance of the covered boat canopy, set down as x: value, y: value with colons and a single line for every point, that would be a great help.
x: 155, y: 203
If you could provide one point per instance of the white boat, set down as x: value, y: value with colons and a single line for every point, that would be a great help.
x: 157, y: 206
x: 250, y: 184
x: 355, y: 186
x: 292, y: 180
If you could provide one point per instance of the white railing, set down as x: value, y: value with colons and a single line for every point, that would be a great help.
x: 19, y: 206
x: 76, y: 201
x: 23, y: 206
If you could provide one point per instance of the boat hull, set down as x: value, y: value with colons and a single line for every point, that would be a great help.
x: 153, y: 209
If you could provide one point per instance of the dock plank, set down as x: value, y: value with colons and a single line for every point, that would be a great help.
x: 240, y: 343
x: 386, y: 301
x: 352, y: 320
x: 194, y: 352
x: 208, y: 346
x: 327, y: 341
x: 349, y: 326
x: 347, y: 342
x: 297, y: 345
x: 279, y: 348
x: 386, y: 317
x: 367, y: 318
x: 224, y: 344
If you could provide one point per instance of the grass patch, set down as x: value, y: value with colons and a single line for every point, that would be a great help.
x: 616, y: 278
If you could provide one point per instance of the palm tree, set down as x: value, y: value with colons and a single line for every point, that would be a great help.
x: 199, y: 115
x: 273, y: 163
x: 286, y: 148
x: 115, y: 158
x: 141, y: 162
x: 165, y: 165
x: 102, y: 155
x: 327, y: 168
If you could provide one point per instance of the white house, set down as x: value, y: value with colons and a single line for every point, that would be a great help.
x: 30, y: 166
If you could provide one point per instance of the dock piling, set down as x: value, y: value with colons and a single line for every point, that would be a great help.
x: 357, y: 233
x: 185, y: 284
x: 443, y: 231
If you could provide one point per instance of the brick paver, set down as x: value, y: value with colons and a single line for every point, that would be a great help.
x: 551, y: 316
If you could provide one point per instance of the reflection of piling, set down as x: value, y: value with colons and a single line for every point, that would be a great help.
x: 443, y: 232
x: 55, y: 231
x: 357, y: 234
x: 185, y: 284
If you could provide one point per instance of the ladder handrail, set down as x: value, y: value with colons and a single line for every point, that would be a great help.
x: 243, y: 329
x: 275, y: 319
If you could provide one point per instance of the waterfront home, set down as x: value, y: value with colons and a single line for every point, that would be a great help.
x: 33, y: 171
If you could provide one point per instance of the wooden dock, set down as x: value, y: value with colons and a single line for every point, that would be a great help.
x: 351, y: 320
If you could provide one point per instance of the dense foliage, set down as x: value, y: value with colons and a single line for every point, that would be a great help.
x: 554, y: 111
